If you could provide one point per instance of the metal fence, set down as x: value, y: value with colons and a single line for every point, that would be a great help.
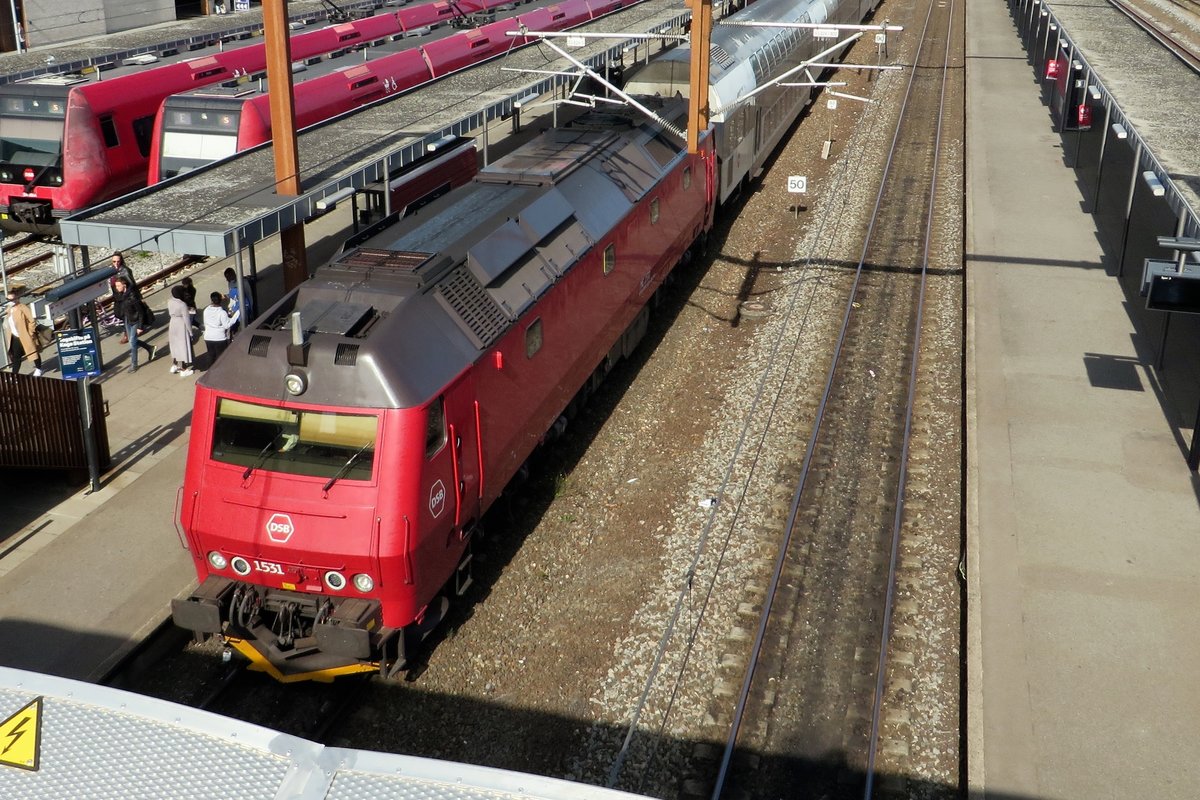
x: 40, y: 423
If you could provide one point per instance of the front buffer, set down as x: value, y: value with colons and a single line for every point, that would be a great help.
x: 295, y: 636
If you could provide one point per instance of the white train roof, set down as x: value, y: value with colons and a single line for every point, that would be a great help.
x: 63, y: 738
x: 732, y: 68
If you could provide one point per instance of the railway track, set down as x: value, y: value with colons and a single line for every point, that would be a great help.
x: 825, y: 700
x: 462, y: 708
x: 1184, y: 45
x: 310, y: 710
x: 24, y: 253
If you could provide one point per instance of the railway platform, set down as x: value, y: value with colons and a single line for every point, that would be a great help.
x: 84, y: 576
x: 1082, y: 553
x: 74, y: 594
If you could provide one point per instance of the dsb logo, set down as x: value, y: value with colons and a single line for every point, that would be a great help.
x: 437, y: 498
x: 280, y: 528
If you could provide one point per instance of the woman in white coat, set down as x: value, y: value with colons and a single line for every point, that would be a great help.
x: 179, y: 334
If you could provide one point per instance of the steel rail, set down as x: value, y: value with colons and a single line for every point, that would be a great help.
x: 793, y: 511
x: 1175, y: 46
x: 827, y: 226
x: 898, y: 519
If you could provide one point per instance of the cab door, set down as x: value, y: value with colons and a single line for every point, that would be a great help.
x: 462, y: 430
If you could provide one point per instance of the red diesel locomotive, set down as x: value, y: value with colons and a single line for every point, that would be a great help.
x: 346, y: 445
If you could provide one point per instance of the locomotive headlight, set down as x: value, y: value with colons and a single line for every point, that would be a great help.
x: 335, y: 580
x: 363, y: 582
x: 217, y: 560
x: 240, y: 565
x: 296, y: 382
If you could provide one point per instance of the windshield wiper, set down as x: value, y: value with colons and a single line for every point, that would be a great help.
x: 346, y: 467
x: 263, y: 455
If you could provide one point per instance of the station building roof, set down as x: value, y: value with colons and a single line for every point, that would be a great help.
x: 1151, y: 93
x: 220, y: 208
x: 181, y: 35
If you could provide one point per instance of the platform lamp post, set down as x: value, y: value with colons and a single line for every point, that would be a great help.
x: 283, y: 127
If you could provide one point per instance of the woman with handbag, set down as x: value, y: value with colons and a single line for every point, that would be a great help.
x: 128, y: 305
x: 20, y: 335
x: 179, y: 332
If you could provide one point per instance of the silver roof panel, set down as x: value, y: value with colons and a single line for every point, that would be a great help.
x: 103, y: 744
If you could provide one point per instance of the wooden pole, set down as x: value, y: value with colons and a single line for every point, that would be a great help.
x: 283, y: 133
x: 701, y: 38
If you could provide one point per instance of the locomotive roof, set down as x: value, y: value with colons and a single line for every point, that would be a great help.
x: 412, y: 306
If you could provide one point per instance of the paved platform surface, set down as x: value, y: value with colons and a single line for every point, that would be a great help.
x: 84, y: 576
x: 1082, y: 515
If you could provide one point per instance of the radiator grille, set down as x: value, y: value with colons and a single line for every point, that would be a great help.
x: 480, y: 317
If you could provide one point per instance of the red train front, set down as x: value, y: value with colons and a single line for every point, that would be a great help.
x: 345, y: 447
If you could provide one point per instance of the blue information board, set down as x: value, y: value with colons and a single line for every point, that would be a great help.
x: 78, y: 353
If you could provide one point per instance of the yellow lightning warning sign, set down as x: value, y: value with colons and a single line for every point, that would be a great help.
x: 21, y: 737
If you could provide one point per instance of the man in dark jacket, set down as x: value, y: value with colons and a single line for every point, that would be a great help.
x: 127, y: 304
x: 123, y: 272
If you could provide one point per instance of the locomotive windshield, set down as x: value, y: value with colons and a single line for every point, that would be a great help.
x: 31, y: 130
x: 320, y: 444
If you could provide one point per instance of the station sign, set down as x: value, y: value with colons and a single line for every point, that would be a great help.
x: 78, y: 353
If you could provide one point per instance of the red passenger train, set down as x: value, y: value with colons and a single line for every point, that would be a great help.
x: 198, y: 127
x: 68, y: 142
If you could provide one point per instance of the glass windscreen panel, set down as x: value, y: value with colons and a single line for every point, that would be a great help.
x: 193, y: 138
x: 31, y: 130
x: 320, y: 444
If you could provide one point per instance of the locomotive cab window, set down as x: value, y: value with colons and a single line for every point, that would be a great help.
x: 108, y: 129
x: 435, y: 427
x: 610, y: 258
x: 320, y: 444
x: 533, y: 338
